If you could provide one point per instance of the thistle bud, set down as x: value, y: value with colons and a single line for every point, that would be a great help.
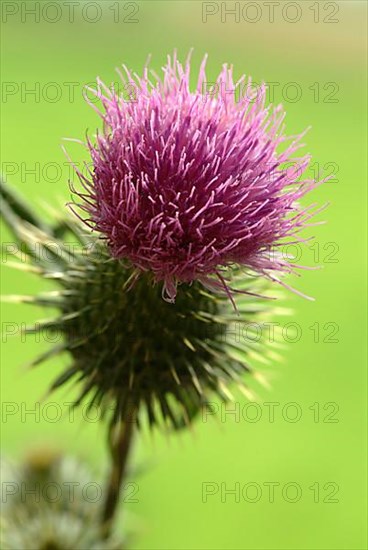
x: 46, y: 505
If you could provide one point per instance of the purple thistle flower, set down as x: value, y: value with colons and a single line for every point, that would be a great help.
x: 186, y: 183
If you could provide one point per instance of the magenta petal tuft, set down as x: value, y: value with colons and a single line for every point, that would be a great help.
x: 185, y: 183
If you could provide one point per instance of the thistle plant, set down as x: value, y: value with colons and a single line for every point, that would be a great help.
x: 177, y: 229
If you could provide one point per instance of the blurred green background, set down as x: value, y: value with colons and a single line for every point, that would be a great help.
x: 322, y: 52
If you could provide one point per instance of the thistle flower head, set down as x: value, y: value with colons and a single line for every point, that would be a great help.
x: 187, y: 182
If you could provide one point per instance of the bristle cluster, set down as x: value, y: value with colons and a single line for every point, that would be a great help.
x: 186, y: 182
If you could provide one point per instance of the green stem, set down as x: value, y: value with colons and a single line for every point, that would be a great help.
x: 120, y: 440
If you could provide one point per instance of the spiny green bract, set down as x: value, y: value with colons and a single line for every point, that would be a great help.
x: 131, y: 350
